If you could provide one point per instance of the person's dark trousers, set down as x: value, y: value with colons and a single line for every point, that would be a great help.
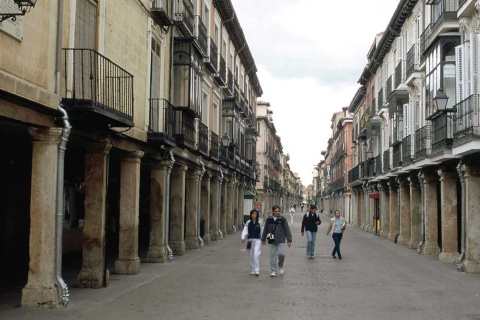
x: 337, y: 238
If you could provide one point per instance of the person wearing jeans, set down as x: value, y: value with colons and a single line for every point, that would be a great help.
x: 337, y: 225
x: 310, y: 224
x: 277, y: 226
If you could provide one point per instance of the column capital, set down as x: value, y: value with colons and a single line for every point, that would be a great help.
x: 447, y: 175
x: 47, y: 135
x: 99, y: 146
x: 470, y: 171
x: 134, y: 156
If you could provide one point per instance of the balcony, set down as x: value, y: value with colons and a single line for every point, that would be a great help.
x: 399, y: 74
x: 442, y: 137
x: 378, y: 164
x: 201, y: 38
x: 423, y: 142
x: 211, y: 62
x: 98, y: 92
x: 221, y: 76
x: 443, y: 11
x: 229, y: 89
x: 183, y: 17
x: 380, y: 99
x: 202, y: 138
x: 413, y: 61
x: 386, y: 161
x: 397, y: 155
x: 389, y: 87
x: 162, y: 12
x: 214, y: 146
x: 407, y: 148
x: 162, y: 119
x: 185, y: 128
x: 467, y: 123
x: 354, y: 175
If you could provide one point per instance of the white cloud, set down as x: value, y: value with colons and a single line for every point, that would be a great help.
x: 310, y: 55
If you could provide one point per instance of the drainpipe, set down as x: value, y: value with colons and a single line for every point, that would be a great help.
x: 233, y: 201
x: 399, y: 187
x: 422, y: 213
x: 200, y: 176
x: 60, y: 164
x: 463, y: 199
x: 220, y: 234
x: 168, y: 156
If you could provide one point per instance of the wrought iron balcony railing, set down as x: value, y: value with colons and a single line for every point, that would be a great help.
x: 214, y: 146
x: 413, y: 60
x: 162, y: 119
x: 442, y: 135
x: 95, y: 83
x: 185, y: 127
x: 183, y: 17
x: 212, y: 59
x: 203, y: 138
x: 386, y: 160
x: 397, y: 155
x: 221, y: 75
x: 399, y: 74
x: 201, y: 35
x: 162, y: 11
x: 423, y: 142
x: 407, y: 147
x: 389, y: 87
x: 467, y: 124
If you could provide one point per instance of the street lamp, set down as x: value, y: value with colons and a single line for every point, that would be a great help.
x: 23, y: 5
x: 440, y: 101
x: 225, y: 140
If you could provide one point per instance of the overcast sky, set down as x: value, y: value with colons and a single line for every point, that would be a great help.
x: 310, y: 55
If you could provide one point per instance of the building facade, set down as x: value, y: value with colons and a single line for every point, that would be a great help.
x: 415, y: 118
x: 130, y: 135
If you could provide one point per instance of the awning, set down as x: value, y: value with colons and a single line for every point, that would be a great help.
x: 374, y: 195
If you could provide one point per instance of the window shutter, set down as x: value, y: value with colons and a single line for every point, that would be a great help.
x: 459, y: 71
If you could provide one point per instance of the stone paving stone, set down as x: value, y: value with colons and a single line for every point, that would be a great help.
x: 376, y: 279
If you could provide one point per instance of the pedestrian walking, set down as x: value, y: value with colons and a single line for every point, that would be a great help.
x: 277, y: 232
x: 337, y: 226
x: 252, y: 232
x: 292, y: 213
x: 310, y: 224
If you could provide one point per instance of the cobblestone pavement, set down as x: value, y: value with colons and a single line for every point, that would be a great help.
x: 376, y: 279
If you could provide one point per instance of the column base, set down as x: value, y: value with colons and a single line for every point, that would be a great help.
x: 214, y: 236
x: 127, y: 266
x: 391, y: 236
x: 414, y: 243
x: 403, y: 240
x: 178, y: 248
x: 206, y: 239
x: 157, y: 255
x: 93, y: 278
x: 431, y: 250
x: 471, y: 266
x: 384, y: 234
x: 40, y: 297
x: 192, y: 243
x: 448, y: 257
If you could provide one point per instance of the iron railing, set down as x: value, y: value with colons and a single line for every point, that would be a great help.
x: 201, y: 34
x: 386, y: 160
x: 397, y: 155
x: 407, y: 147
x: 98, y: 81
x: 162, y: 118
x: 467, y: 124
x: 423, y: 142
x: 413, y: 60
x: 214, y: 145
x: 202, y: 138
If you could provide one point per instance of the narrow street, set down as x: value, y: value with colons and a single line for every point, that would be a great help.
x: 376, y: 279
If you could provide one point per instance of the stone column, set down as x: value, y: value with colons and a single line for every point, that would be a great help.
x: 360, y: 208
x: 223, y: 206
x: 365, y: 222
x: 177, y: 209
x: 205, y: 206
x: 448, y: 186
x: 430, y: 182
x: 93, y: 271
x: 384, y: 210
x: 405, y: 231
x: 128, y: 261
x: 215, y: 198
x: 471, y: 263
x: 157, y: 252
x: 415, y: 212
x: 191, y: 209
x: 392, y: 232
x: 229, y: 205
x: 40, y: 290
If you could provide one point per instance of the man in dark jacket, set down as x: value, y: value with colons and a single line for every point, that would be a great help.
x: 310, y: 223
x: 277, y: 226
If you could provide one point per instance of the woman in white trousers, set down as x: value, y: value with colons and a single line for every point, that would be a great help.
x: 252, y: 233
